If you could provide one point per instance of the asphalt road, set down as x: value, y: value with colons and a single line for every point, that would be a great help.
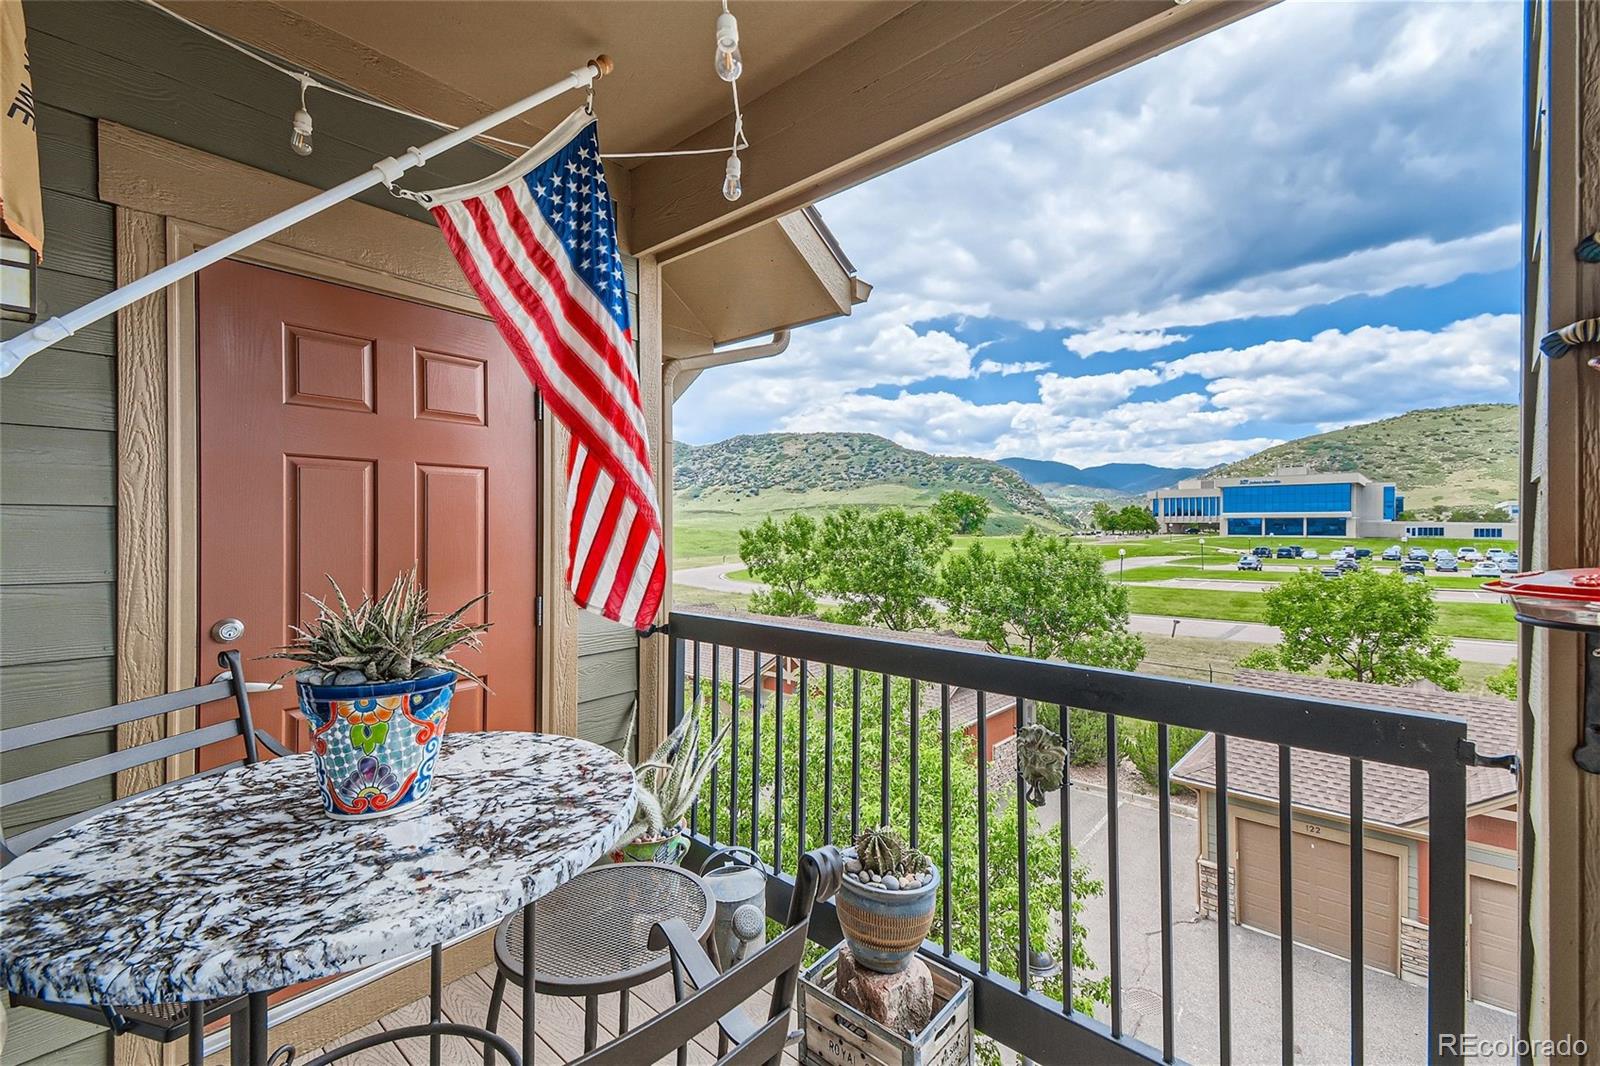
x: 1396, y: 1010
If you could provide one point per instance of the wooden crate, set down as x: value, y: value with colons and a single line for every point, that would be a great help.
x: 837, y: 1034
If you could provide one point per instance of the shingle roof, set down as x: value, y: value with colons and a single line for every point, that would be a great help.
x: 1392, y: 795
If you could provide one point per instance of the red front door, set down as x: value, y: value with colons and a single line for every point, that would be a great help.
x: 352, y: 435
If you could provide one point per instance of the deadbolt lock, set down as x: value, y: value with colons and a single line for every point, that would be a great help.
x: 227, y: 631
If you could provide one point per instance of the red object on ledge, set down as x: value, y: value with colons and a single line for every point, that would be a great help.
x: 1554, y: 597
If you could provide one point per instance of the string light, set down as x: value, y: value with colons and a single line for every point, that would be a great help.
x: 300, y: 139
x: 727, y: 62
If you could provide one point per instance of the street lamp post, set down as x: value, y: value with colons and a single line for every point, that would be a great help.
x: 1122, y: 558
x: 1202, y: 553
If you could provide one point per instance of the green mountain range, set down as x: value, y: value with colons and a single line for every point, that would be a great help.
x: 1128, y: 479
x: 833, y: 469
x: 1453, y: 456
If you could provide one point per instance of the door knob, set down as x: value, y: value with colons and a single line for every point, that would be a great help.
x: 227, y: 631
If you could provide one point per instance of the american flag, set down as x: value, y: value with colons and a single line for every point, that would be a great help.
x: 538, y: 243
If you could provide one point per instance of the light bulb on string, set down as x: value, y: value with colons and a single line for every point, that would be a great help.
x: 727, y: 62
x: 300, y: 138
x: 731, y: 189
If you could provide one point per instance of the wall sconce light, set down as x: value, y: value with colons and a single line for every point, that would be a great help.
x: 18, y: 291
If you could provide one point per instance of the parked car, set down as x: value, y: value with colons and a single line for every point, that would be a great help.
x: 1331, y: 571
x: 1310, y: 553
x: 1419, y: 554
x: 1411, y: 566
x: 1468, y: 554
x: 1485, y: 569
x: 1446, y: 566
x: 1261, y: 552
x: 1285, y: 553
x: 1249, y: 562
x: 1348, y: 563
x: 1192, y: 530
x: 1495, y: 554
x: 1363, y: 553
x: 1391, y: 554
x: 1509, y: 563
x: 1298, y: 551
x: 1442, y: 553
x: 1413, y: 579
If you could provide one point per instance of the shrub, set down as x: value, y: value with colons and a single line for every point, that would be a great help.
x: 1137, y: 740
x: 1086, y: 732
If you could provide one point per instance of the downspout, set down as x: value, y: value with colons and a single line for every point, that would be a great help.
x: 685, y: 370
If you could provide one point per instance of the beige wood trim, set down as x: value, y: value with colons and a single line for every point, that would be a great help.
x: 1491, y: 873
x: 557, y: 679
x: 1399, y: 851
x: 170, y: 201
x: 655, y: 653
x: 929, y: 76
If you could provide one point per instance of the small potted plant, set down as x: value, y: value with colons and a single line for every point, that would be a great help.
x: 666, y: 786
x: 376, y: 687
x: 885, y: 903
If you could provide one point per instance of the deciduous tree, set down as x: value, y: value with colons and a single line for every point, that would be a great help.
x: 882, y: 566
x: 783, y: 556
x: 1366, y: 626
x: 961, y: 512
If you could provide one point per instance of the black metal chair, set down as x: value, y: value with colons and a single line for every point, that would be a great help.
x: 164, y: 1022
x: 718, y: 998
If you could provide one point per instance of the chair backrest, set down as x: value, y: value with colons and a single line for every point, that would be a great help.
x: 19, y: 738
x: 718, y: 999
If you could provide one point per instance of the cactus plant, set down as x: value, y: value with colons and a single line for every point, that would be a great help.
x: 881, y: 851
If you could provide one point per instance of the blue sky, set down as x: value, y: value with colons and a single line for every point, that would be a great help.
x: 1305, y: 220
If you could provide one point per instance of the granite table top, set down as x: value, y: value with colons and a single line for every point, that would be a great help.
x: 239, y: 882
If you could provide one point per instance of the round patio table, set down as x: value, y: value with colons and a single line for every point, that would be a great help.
x: 238, y: 884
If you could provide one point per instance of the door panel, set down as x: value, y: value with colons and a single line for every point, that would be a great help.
x: 352, y: 435
x: 1321, y: 871
x: 1492, y: 942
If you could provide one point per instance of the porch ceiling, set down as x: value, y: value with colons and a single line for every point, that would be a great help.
x: 834, y: 92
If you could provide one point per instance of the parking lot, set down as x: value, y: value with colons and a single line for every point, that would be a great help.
x: 1396, y: 1010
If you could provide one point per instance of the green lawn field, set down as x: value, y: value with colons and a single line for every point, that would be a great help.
x: 1488, y: 621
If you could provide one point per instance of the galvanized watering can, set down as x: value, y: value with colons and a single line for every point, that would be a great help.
x: 737, y: 879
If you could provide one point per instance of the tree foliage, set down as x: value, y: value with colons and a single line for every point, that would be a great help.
x: 1503, y: 683
x: 1366, y: 626
x: 783, y: 556
x: 882, y: 566
x: 1130, y: 519
x: 961, y: 512
x: 1047, y: 599
x: 831, y: 802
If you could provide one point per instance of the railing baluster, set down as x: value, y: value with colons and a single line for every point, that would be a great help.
x: 855, y: 753
x: 1358, y: 914
x: 694, y: 703
x: 733, y: 768
x: 1224, y: 912
x: 716, y: 730
x: 983, y: 833
x: 916, y: 762
x: 802, y: 841
x: 944, y: 805
x: 1066, y: 862
x: 827, y: 756
x: 758, y: 688
x: 885, y: 732
x: 777, y: 763
x: 1164, y: 826
x: 1113, y: 875
x: 1286, y: 901
x: 1024, y: 939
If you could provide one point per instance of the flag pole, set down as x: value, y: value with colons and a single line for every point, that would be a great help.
x: 383, y: 172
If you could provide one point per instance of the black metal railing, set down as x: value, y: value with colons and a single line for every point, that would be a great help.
x: 764, y: 675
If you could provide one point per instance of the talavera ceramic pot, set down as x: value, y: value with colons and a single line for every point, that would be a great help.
x: 375, y: 745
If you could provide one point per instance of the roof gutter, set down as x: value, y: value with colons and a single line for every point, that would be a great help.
x: 687, y: 369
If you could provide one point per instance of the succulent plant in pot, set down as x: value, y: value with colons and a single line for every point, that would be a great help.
x: 666, y: 786
x: 375, y: 685
x: 885, y: 904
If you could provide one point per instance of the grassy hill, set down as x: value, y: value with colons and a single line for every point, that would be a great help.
x: 725, y: 486
x: 1457, y: 456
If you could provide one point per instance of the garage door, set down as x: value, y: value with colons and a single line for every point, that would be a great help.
x: 1492, y: 942
x: 1321, y: 870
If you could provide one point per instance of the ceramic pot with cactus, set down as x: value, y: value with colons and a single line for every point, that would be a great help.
x: 666, y: 786
x: 375, y: 687
x: 885, y: 903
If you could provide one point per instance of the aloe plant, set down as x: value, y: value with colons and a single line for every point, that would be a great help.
x: 667, y: 784
x: 390, y: 638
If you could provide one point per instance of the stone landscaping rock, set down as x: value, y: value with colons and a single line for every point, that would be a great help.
x: 900, y: 1001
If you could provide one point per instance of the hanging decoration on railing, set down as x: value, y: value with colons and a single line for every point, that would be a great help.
x: 1042, y: 759
x: 1558, y: 343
